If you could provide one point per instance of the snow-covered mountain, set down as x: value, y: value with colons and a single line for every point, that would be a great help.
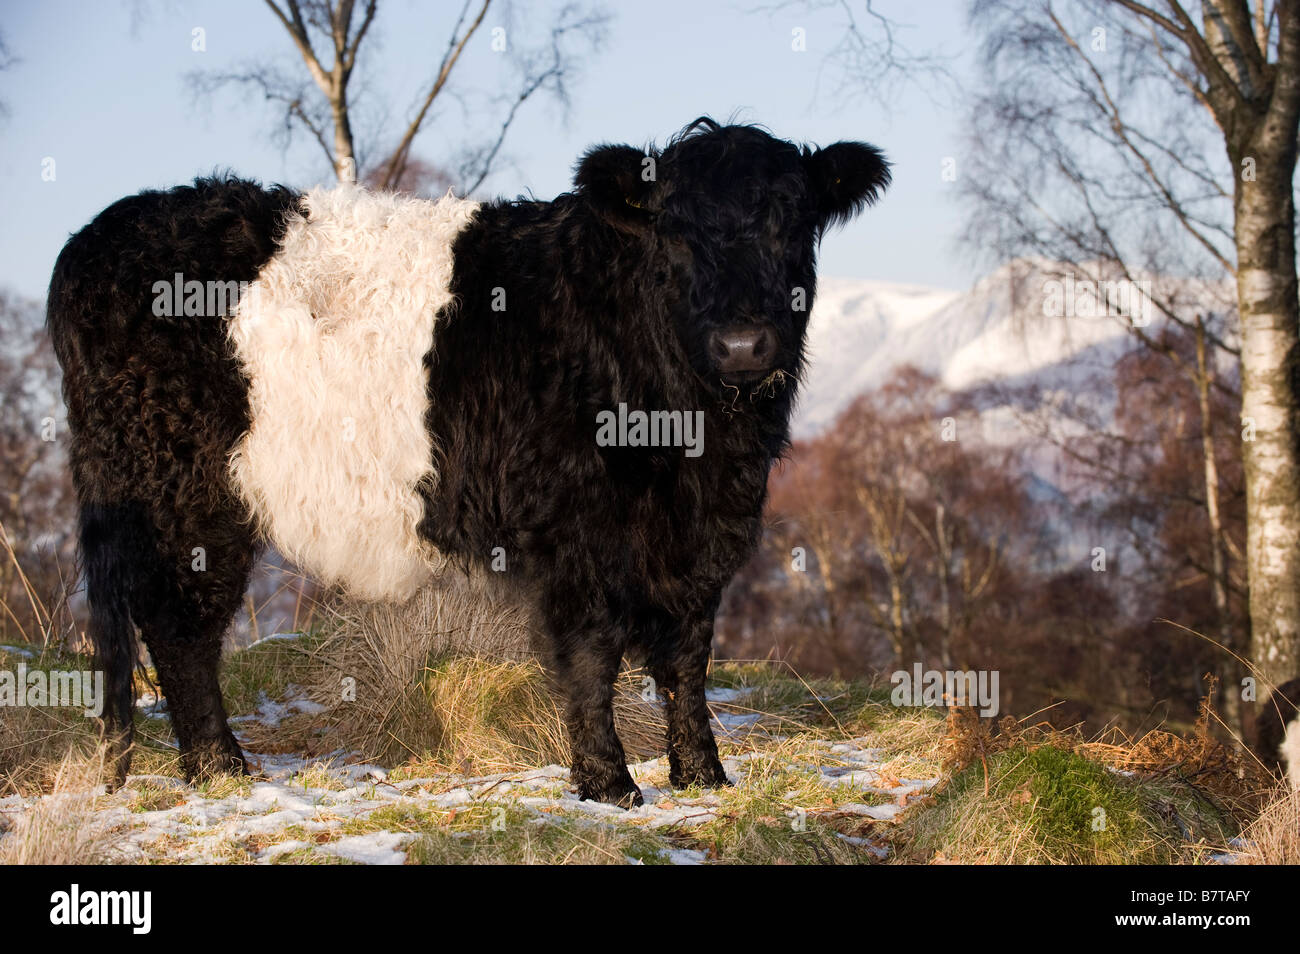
x: 995, y: 332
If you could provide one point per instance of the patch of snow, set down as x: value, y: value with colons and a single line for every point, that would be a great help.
x: 726, y: 695
x: 377, y: 848
x: 151, y: 704
x: 880, y: 851
x: 731, y: 722
x: 686, y: 856
x: 271, y: 712
x: 282, y: 848
x: 274, y: 637
x: 1231, y: 857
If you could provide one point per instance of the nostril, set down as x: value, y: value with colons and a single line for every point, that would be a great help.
x: 763, y: 345
x: 718, y: 347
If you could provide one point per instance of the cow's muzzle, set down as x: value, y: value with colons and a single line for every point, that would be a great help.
x: 743, y: 352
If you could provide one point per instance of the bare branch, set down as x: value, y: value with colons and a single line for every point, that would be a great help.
x: 1224, y: 95
x: 395, y: 164
x: 551, y: 73
x: 1117, y: 125
x: 350, y: 53
x: 297, y: 105
x: 870, y: 55
x: 327, y: 113
x: 298, y: 33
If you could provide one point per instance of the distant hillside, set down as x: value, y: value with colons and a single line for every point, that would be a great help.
x: 996, y: 332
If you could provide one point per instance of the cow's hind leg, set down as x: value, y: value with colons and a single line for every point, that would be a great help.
x: 182, y: 611
x: 681, y: 669
x: 183, y: 623
x: 186, y: 652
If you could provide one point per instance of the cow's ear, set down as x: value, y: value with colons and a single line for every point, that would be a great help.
x: 619, y: 181
x: 846, y: 178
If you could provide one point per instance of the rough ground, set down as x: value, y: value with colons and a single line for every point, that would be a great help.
x: 821, y: 771
x: 799, y: 800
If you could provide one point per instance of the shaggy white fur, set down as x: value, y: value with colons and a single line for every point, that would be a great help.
x: 332, y: 336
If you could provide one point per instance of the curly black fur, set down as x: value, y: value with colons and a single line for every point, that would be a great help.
x: 612, y: 294
x: 154, y: 406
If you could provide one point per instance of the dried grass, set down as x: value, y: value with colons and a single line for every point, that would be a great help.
x: 34, y: 743
x: 1273, y: 838
x: 63, y: 827
x: 449, y: 679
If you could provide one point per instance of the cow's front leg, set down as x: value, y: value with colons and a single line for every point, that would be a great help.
x: 692, y: 751
x: 599, y: 767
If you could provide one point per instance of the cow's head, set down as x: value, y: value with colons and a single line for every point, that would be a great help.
x: 730, y: 218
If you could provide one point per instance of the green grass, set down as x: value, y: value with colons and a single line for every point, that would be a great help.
x: 1048, y: 805
x: 781, y: 812
x: 503, y: 834
x: 774, y: 688
x: 264, y: 671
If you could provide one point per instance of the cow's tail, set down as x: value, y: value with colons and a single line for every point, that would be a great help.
x: 115, y: 542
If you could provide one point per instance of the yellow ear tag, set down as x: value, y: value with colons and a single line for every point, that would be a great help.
x: 632, y: 202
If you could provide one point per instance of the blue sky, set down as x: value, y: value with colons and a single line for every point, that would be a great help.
x: 100, y: 88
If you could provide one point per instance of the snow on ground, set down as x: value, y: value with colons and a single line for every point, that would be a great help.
x: 299, y: 796
x: 1233, y: 856
x: 198, y: 826
x: 271, y: 712
x: 297, y: 805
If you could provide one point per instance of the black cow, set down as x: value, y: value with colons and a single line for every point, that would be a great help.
x: 586, y: 394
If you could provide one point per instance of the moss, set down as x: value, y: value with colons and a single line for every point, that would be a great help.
x: 1052, y: 805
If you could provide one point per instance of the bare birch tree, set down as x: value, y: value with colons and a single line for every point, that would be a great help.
x: 1145, y: 139
x: 329, y: 38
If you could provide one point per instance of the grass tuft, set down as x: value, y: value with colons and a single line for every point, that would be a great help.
x: 1051, y: 805
x: 1273, y: 838
x: 64, y: 828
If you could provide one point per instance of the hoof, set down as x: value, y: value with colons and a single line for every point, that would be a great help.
x: 621, y: 792
x: 117, y: 749
x: 215, y: 759
x: 708, y: 774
